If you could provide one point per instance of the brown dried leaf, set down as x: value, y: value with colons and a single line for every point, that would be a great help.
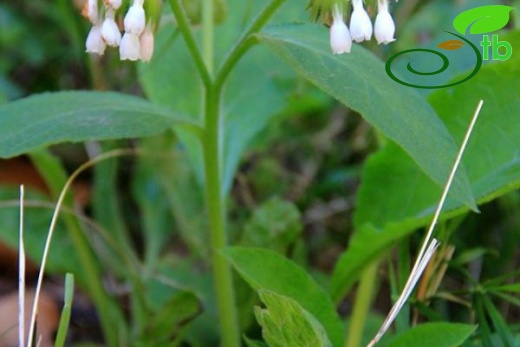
x: 47, y: 321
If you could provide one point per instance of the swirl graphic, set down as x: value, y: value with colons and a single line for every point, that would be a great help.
x: 445, y: 65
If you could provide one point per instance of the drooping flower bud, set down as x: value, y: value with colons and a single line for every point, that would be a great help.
x: 384, y: 27
x: 95, y: 42
x: 109, y: 30
x: 147, y: 43
x: 360, y: 24
x: 130, y: 48
x: 135, y: 18
x: 340, y: 40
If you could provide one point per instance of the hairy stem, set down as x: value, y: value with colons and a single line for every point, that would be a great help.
x: 207, y: 34
x: 189, y: 38
x: 246, y: 41
x: 212, y: 144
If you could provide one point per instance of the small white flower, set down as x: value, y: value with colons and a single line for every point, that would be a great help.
x: 95, y: 43
x: 360, y: 24
x: 135, y: 19
x: 115, y: 4
x: 340, y: 40
x: 384, y: 27
x: 147, y: 43
x: 109, y: 30
x: 130, y: 47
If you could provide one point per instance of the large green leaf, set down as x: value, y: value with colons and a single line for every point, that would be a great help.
x: 264, y: 269
x: 50, y: 118
x: 359, y: 81
x: 491, y: 158
x: 434, y: 335
x: 395, y: 197
x: 286, y: 324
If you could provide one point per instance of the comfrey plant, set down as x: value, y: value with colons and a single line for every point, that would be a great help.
x: 360, y: 24
x: 137, y: 43
x: 207, y: 95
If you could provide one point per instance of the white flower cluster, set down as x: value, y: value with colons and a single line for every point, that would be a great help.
x: 360, y: 27
x: 137, y: 41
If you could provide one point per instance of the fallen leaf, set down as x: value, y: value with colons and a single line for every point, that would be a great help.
x: 47, y: 321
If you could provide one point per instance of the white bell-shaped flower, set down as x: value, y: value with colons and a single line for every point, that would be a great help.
x: 147, y: 43
x: 109, y: 30
x: 340, y: 40
x: 360, y: 24
x: 130, y: 48
x: 384, y: 27
x: 95, y: 42
x: 135, y: 18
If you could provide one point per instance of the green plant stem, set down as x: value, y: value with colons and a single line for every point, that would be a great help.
x: 212, y: 143
x: 207, y: 33
x: 246, y: 41
x: 222, y: 276
x: 361, y: 306
x: 189, y: 38
x: 402, y: 321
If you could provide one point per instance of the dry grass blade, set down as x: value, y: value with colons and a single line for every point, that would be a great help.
x: 52, y: 226
x: 427, y: 248
x: 21, y: 274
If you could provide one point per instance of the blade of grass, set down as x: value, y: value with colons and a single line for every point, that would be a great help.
x: 498, y: 322
x: 485, y: 330
x: 102, y: 299
x: 65, y: 313
x: 427, y: 248
x: 21, y: 275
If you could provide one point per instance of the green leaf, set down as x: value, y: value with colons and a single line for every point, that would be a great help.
x: 359, y: 81
x: 254, y: 343
x: 483, y: 19
x: 274, y: 225
x: 506, y: 288
x: 500, y: 326
x: 264, y: 269
x: 286, y: 324
x: 434, y: 335
x: 367, y: 245
x: 395, y: 197
x: 51, y: 118
x: 180, y: 309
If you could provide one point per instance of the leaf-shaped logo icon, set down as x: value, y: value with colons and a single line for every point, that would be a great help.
x: 483, y: 19
x: 451, y: 45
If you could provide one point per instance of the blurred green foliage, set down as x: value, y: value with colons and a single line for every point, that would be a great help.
x: 297, y: 166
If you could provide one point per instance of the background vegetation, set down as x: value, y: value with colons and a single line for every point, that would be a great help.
x: 309, y: 179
